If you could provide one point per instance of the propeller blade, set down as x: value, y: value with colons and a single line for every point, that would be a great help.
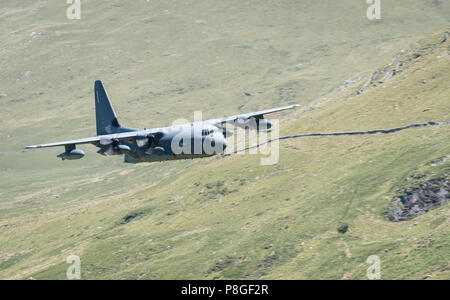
x: 109, y: 150
x: 141, y: 142
x: 106, y: 141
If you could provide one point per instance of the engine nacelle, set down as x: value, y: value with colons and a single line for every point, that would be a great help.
x: 253, y: 123
x: 263, y: 124
x: 122, y: 149
x: 72, y: 154
x: 114, y: 150
x: 227, y: 132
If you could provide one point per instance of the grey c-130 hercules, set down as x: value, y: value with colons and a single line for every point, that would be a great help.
x: 192, y: 140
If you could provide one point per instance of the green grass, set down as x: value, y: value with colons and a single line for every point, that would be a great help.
x: 224, y: 218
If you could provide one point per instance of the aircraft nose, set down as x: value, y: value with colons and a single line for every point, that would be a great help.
x: 220, y: 144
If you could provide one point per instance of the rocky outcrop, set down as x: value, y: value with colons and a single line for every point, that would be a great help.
x: 420, y: 200
x: 402, y: 61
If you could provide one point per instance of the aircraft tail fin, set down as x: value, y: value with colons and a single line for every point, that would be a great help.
x: 106, y: 118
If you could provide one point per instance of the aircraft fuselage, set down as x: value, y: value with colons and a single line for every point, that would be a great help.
x: 187, y: 141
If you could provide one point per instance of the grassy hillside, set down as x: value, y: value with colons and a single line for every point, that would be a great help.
x: 162, y: 61
x: 223, y: 217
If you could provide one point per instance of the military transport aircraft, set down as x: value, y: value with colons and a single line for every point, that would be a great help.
x: 193, y: 140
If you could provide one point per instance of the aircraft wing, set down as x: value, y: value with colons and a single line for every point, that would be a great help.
x: 90, y: 140
x: 131, y: 135
x: 256, y: 114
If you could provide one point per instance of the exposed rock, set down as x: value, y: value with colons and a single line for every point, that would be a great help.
x: 349, y: 82
x: 446, y: 36
x: 221, y: 264
x: 343, y: 228
x: 419, y: 200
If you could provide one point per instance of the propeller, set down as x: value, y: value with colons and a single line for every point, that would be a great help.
x: 108, y: 141
x: 112, y: 147
x: 142, y: 140
x: 150, y: 140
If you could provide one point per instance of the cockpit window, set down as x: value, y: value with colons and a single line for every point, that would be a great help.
x: 207, y: 131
